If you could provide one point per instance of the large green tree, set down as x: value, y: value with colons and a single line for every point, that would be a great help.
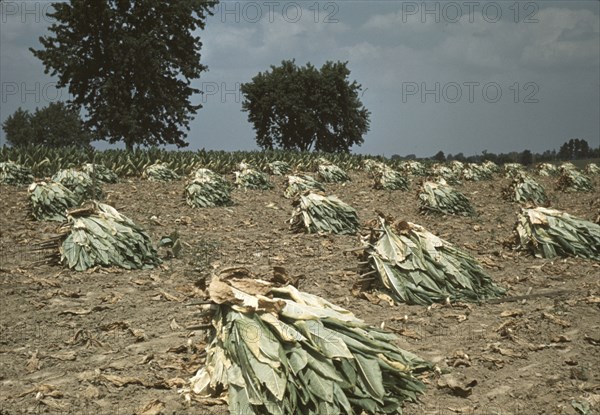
x: 305, y: 108
x: 56, y: 125
x: 129, y: 64
x: 18, y: 129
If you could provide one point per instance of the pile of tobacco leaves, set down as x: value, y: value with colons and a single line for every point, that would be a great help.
x: 300, y: 184
x: 572, y: 180
x: 510, y: 169
x: 547, y: 169
x: 524, y: 189
x: 417, y: 267
x: 51, y: 200
x: 80, y: 183
x: 100, y: 172
x: 315, y: 213
x: 279, y: 168
x: 208, y: 189
x: 548, y: 233
x: 389, y: 179
x: 414, y: 167
x: 277, y: 350
x: 96, y: 234
x: 330, y: 173
x: 476, y: 172
x: 441, y: 198
x: 249, y: 178
x: 439, y: 171
x: 159, y: 172
x: 592, y: 169
x: 14, y: 174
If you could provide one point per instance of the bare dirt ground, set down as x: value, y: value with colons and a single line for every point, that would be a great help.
x: 111, y: 341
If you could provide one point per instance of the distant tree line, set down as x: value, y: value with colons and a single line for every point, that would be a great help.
x: 574, y: 149
x: 56, y: 125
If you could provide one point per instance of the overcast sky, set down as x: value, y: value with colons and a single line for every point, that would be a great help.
x: 452, y: 76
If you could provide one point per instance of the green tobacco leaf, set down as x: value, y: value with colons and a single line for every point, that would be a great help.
x: 371, y: 375
x: 318, y: 385
x: 298, y: 359
x: 324, y: 339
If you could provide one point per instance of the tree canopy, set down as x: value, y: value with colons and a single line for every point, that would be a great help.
x: 129, y: 64
x: 305, y: 108
x: 574, y: 149
x: 56, y: 125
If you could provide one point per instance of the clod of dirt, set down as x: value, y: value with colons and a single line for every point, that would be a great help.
x: 462, y: 388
